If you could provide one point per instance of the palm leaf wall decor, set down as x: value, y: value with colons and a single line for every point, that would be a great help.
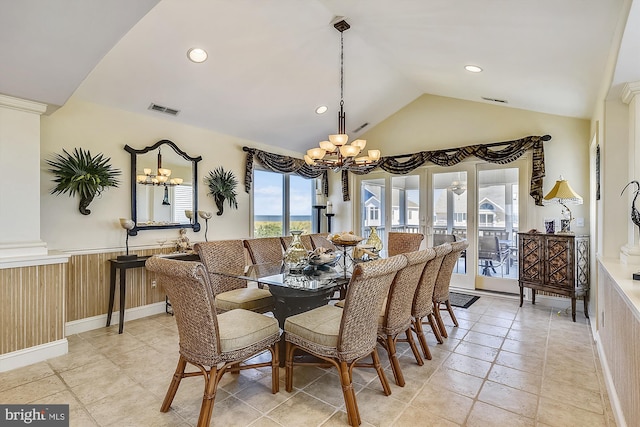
x: 82, y: 174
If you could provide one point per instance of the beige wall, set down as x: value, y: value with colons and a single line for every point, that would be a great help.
x: 106, y: 130
x: 435, y: 122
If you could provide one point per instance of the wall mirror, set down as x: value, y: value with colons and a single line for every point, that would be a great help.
x: 164, y: 187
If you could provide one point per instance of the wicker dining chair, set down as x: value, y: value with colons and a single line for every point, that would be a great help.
x: 319, y: 240
x: 423, y: 300
x: 214, y: 343
x: 304, y: 238
x: 230, y: 292
x: 441, y: 290
x: 396, y: 316
x: 264, y: 250
x: 401, y: 243
x: 344, y: 336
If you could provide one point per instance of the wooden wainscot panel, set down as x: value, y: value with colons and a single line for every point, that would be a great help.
x: 620, y: 338
x: 33, y: 305
x: 88, y: 287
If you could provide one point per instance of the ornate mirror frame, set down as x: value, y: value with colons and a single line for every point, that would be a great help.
x: 134, y: 205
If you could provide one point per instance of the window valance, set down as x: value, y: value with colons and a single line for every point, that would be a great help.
x: 497, y: 152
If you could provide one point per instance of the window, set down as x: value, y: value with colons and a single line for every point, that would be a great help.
x: 374, y: 213
x: 281, y: 203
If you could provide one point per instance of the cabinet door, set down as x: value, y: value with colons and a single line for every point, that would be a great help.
x: 560, y: 262
x: 532, y: 258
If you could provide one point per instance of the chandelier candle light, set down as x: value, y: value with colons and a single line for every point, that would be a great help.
x: 336, y: 154
x: 161, y: 177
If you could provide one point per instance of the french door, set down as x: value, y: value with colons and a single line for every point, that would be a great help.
x: 483, y: 203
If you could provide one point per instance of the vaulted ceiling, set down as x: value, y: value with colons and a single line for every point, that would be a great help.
x: 272, y: 62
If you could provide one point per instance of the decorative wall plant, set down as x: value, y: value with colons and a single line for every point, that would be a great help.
x: 222, y: 186
x: 83, y: 174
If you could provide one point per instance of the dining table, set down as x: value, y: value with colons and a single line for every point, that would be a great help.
x: 293, y: 293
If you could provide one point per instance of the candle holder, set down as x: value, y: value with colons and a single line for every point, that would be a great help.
x: 329, y: 218
x: 318, y: 209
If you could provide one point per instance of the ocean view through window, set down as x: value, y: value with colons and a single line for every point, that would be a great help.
x: 281, y: 203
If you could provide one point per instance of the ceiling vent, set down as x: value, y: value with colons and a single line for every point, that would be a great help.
x: 502, y: 101
x: 359, y: 128
x: 162, y: 109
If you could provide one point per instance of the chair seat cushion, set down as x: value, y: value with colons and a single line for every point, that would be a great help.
x: 320, y: 325
x: 246, y: 298
x: 242, y: 328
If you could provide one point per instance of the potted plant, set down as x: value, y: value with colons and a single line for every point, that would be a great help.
x: 83, y: 174
x: 222, y: 186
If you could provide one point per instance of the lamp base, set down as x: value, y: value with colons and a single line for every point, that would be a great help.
x: 126, y: 257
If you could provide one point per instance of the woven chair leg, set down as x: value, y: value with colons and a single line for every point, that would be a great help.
x: 289, y: 349
x: 451, y: 313
x: 275, y: 368
x: 349, y: 396
x: 210, y: 387
x: 417, y: 324
x: 380, y: 371
x: 175, y: 383
x: 434, y: 328
x: 414, y: 348
x: 393, y: 358
x: 439, y: 321
x: 235, y: 368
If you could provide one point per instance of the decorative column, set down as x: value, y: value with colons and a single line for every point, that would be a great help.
x: 630, y: 253
x: 20, y: 161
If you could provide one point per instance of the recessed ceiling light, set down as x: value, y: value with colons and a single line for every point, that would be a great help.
x: 321, y: 109
x: 197, y: 54
x: 473, y: 68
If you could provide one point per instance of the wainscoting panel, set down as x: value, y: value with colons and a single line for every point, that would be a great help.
x: 88, y: 285
x: 619, y: 335
x: 32, y: 310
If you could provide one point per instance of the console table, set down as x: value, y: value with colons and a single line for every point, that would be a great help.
x: 122, y: 267
x: 555, y: 263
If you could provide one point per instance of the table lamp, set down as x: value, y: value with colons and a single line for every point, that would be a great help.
x: 127, y: 224
x: 563, y: 194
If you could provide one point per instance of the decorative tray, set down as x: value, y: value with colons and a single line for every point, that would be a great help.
x: 345, y: 242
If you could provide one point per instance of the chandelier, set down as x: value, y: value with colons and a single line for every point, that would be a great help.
x: 336, y: 153
x: 160, y: 177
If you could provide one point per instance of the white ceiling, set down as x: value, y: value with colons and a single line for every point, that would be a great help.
x: 272, y: 62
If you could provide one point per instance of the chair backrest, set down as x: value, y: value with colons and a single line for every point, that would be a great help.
x: 402, y: 243
x: 439, y: 239
x: 423, y: 298
x: 264, y: 250
x: 397, y: 317
x: 222, y: 256
x: 441, y: 291
x: 369, y: 285
x: 319, y: 240
x: 304, y: 238
x: 488, y: 247
x: 187, y: 286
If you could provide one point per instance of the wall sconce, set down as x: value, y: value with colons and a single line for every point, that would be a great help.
x: 127, y: 224
x: 206, y: 216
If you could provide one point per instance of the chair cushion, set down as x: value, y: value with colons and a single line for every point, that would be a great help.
x: 246, y: 298
x: 320, y: 325
x: 241, y: 328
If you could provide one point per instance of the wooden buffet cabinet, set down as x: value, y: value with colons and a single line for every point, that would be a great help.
x: 555, y: 263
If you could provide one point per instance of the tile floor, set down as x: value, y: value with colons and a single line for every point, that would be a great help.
x: 503, y: 366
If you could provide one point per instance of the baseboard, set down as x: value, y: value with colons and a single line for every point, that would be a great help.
x: 608, y: 381
x: 35, y: 354
x: 97, y: 322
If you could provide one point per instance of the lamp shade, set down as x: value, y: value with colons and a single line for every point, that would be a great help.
x: 316, y: 153
x: 328, y: 146
x: 563, y: 191
x: 360, y: 143
x: 338, y: 139
x: 349, y: 150
x: 374, y: 155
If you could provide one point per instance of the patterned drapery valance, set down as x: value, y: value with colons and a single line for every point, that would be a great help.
x: 497, y: 152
